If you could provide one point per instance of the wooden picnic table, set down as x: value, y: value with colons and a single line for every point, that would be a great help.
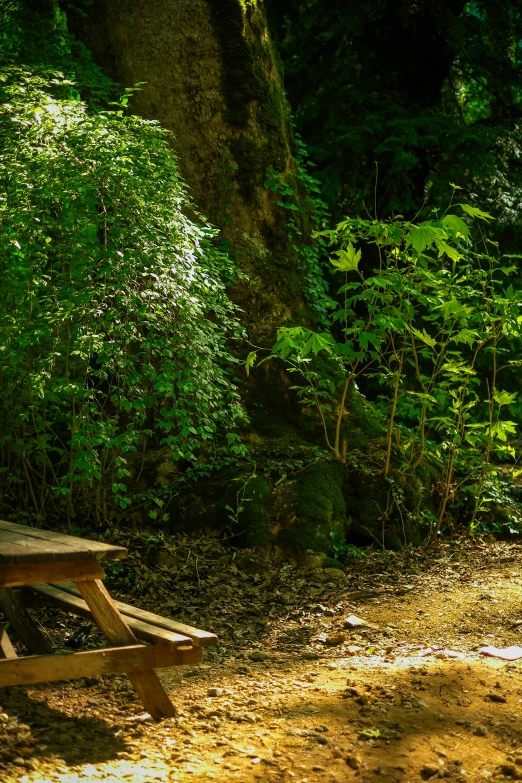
x: 67, y: 571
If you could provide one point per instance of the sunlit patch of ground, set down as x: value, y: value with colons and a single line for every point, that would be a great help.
x: 407, y: 700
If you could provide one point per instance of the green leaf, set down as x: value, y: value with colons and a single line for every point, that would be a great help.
x: 467, y: 336
x: 504, y: 397
x: 423, y: 397
x: 250, y: 361
x: 422, y: 237
x: 348, y: 259
x: 475, y: 212
x: 451, y: 252
x: 424, y: 337
x: 455, y: 226
x: 501, y: 429
x: 455, y: 309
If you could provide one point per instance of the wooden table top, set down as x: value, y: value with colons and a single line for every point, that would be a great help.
x: 21, y: 544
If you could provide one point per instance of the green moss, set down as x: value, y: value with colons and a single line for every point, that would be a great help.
x: 253, y: 97
x: 320, y: 510
x: 240, y: 28
x: 255, y: 497
x: 253, y: 159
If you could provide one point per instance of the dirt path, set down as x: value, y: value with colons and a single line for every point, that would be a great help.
x: 303, y: 697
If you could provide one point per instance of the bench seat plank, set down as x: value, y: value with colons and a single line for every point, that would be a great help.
x: 199, y: 637
x: 76, y: 605
x: 129, y: 658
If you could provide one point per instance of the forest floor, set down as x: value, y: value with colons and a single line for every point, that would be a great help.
x: 293, y: 693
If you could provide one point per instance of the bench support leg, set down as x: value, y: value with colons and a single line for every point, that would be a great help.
x: 23, y: 624
x: 108, y: 618
x: 6, y: 647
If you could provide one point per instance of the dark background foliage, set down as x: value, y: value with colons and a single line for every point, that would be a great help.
x: 429, y: 91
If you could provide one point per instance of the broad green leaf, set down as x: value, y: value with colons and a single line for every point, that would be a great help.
x: 454, y: 309
x: 348, y: 259
x: 451, y: 252
x: 379, y: 281
x: 422, y: 237
x: 425, y: 337
x: 475, y: 212
x: 467, y: 336
x: 501, y: 429
x: 455, y: 226
x: 504, y: 397
x: 319, y: 342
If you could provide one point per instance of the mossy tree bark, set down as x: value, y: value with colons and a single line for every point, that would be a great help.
x: 211, y: 77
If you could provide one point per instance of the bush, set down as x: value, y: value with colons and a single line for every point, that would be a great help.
x: 114, y: 315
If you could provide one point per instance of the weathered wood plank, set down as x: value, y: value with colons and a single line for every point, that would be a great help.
x: 6, y: 647
x: 111, y: 622
x: 94, y: 548
x: 22, y: 622
x: 199, y: 637
x: 19, y: 574
x: 19, y: 548
x: 150, y: 633
x: 49, y: 668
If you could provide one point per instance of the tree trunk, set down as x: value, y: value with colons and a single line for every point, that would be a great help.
x: 211, y: 77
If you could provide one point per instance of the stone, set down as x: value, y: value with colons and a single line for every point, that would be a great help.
x: 428, y: 771
x: 353, y: 761
x: 481, y: 731
x: 496, y: 697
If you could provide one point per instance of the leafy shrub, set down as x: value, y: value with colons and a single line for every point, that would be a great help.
x: 420, y: 305
x: 114, y: 315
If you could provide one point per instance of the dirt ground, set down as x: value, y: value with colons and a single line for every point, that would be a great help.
x: 293, y: 693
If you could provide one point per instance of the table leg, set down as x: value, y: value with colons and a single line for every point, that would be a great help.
x: 24, y: 625
x: 113, y: 625
x: 6, y: 647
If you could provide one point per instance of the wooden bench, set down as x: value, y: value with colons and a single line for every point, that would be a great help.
x: 66, y: 571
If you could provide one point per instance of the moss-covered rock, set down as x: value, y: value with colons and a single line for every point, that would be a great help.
x: 320, y: 510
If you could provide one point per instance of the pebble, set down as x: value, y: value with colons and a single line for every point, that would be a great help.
x: 215, y: 692
x: 481, y: 731
x: 429, y: 770
x: 509, y: 770
x: 354, y: 762
x: 335, y: 638
x: 496, y: 697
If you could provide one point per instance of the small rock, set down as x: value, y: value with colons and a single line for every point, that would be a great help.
x: 18, y: 761
x: 428, y: 771
x: 496, y: 697
x: 92, y: 681
x: 481, y: 731
x: 509, y: 770
x: 354, y: 762
x: 335, y: 638
x: 215, y: 692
